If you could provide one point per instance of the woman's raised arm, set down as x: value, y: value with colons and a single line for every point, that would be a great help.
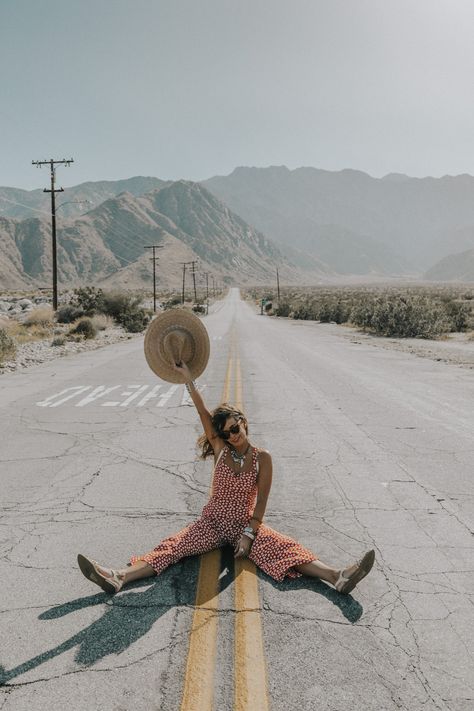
x: 200, y: 406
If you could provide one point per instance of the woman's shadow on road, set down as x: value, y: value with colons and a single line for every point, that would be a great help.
x: 131, y: 615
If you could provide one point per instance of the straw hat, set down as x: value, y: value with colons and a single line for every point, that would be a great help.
x: 176, y: 336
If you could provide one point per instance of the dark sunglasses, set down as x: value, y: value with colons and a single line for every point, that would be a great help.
x: 235, y: 429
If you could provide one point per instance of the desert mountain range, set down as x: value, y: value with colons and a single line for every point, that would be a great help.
x: 106, y: 245
x: 313, y: 224
x: 418, y: 221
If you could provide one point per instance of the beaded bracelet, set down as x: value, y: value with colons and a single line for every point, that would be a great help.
x: 188, y: 386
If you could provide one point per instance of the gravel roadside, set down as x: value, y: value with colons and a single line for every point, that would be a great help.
x: 41, y: 351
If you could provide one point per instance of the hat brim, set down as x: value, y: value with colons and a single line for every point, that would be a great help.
x: 185, y: 328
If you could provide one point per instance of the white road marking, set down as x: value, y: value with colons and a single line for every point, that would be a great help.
x: 100, y: 391
x: 139, y: 389
x: 131, y: 395
x: 166, y: 396
x: 76, y: 390
x: 149, y: 396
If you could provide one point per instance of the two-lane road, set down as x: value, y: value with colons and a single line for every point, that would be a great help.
x: 371, y: 448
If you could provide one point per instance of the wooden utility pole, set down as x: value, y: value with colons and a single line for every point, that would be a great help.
x: 193, y: 267
x: 206, y: 274
x: 154, y: 260
x: 51, y: 162
x: 184, y: 278
x: 278, y: 287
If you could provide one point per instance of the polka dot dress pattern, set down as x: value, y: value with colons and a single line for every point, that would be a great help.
x: 222, y: 521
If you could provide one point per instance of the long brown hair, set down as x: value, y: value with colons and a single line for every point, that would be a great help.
x: 219, y: 417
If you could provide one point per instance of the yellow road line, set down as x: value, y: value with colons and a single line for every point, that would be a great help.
x: 198, y: 692
x: 250, y: 675
x: 226, y: 390
x: 199, y: 679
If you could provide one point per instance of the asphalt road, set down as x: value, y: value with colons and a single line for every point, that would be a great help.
x: 371, y: 448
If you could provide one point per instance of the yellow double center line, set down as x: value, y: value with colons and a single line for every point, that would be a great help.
x: 250, y: 678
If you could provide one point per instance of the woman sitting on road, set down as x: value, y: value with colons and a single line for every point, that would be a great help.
x: 233, y: 515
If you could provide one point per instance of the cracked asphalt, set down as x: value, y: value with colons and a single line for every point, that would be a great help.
x: 372, y: 448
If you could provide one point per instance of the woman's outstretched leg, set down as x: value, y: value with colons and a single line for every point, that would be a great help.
x: 138, y: 570
x: 320, y: 570
x: 112, y: 580
x: 199, y: 537
x: 343, y: 580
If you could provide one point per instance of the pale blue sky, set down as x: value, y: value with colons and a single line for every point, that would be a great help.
x: 194, y: 88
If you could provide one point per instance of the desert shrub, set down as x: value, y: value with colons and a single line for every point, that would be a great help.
x: 174, y: 301
x: 41, y: 316
x: 69, y: 313
x: 134, y: 320
x: 459, y: 315
x: 304, y: 313
x: 362, y: 313
x: 199, y: 309
x: 409, y: 317
x: 283, y: 309
x: 84, y: 327
x: 102, y: 321
x: 7, y: 346
x: 89, y: 299
x: 116, y: 302
x: 332, y: 310
x: 22, y: 333
x: 126, y: 311
x: 59, y: 341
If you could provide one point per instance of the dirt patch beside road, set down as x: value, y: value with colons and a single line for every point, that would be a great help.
x: 457, y: 348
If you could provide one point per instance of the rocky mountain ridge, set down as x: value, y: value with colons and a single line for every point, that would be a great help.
x: 77, y: 200
x: 108, y: 244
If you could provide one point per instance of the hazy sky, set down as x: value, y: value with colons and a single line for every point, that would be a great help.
x: 194, y: 88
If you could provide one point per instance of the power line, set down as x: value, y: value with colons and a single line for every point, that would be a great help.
x: 28, y: 207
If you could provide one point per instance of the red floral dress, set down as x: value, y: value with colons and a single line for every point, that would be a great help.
x: 222, y: 521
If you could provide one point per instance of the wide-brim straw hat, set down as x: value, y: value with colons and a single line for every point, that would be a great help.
x: 176, y: 336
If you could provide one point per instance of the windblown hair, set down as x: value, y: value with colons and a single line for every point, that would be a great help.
x: 219, y: 417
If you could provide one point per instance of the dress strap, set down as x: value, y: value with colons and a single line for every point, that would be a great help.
x: 220, y: 455
x: 256, y: 459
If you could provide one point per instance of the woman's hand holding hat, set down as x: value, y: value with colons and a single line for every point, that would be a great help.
x: 183, y: 369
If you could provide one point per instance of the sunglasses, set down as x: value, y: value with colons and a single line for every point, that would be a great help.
x: 235, y: 429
